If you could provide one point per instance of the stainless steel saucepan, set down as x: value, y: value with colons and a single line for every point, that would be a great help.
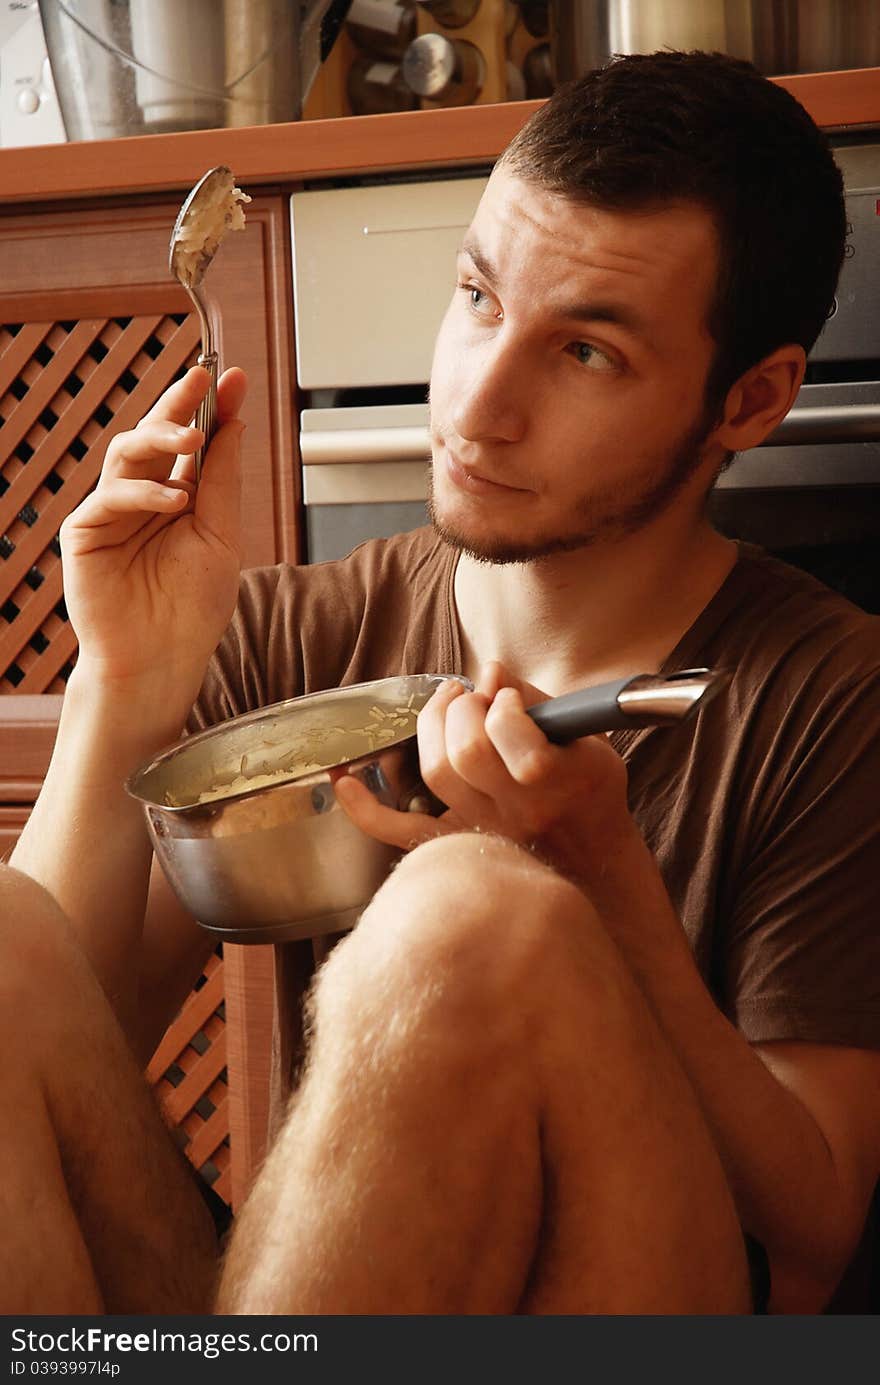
x: 244, y: 819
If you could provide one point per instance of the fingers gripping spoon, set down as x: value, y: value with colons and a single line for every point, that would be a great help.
x: 213, y: 207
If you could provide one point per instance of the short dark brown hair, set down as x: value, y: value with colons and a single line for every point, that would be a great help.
x: 649, y: 130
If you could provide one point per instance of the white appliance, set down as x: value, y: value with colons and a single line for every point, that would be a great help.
x: 374, y: 269
x: 29, y: 111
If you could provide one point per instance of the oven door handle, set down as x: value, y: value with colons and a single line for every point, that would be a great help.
x: 829, y: 423
x: 341, y: 445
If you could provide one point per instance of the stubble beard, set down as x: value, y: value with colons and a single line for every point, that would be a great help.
x: 598, y: 519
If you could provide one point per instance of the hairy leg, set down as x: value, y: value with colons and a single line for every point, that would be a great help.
x: 99, y: 1212
x: 490, y: 1121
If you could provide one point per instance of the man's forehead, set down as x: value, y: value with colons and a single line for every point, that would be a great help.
x: 513, y: 203
x: 517, y: 218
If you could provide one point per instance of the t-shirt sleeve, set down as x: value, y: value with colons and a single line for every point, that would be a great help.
x: 240, y: 674
x: 802, y: 956
x: 299, y: 630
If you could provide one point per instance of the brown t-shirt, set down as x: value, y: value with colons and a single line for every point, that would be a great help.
x: 762, y: 812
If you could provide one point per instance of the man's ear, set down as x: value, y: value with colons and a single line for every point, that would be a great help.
x: 760, y: 399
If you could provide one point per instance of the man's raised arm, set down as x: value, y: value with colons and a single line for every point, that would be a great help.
x: 150, y: 584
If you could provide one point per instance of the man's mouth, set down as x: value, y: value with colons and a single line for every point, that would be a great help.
x: 473, y: 480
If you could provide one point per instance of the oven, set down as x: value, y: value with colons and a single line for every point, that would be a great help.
x: 373, y: 270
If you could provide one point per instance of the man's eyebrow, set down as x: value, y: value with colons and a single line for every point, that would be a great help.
x: 479, y: 260
x: 618, y: 314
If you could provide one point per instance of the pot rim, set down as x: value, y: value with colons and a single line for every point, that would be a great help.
x: 134, y: 781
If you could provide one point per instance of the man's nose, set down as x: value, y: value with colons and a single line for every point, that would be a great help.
x: 492, y: 398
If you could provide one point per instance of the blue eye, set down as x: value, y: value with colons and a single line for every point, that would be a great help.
x: 478, y: 301
x: 590, y: 355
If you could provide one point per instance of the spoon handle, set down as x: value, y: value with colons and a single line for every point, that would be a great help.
x: 206, y: 414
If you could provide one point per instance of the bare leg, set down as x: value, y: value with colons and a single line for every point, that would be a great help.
x: 491, y: 1120
x: 98, y: 1211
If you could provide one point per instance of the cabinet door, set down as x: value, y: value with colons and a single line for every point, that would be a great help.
x: 92, y: 330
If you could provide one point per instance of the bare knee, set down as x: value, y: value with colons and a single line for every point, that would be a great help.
x: 37, y: 948
x: 474, y: 891
x: 466, y: 934
x: 27, y: 908
x: 464, y: 899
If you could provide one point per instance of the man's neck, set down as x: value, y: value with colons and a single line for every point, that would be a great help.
x: 593, y: 614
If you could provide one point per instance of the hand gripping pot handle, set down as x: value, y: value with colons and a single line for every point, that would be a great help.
x: 626, y: 703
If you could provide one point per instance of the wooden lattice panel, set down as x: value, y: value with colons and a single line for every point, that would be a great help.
x: 188, y: 1074
x: 65, y: 389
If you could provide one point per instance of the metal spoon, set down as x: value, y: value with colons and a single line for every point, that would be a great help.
x: 190, y: 277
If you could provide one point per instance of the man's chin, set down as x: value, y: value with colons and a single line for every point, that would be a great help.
x: 502, y: 548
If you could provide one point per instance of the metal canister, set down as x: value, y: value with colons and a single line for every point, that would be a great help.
x: 448, y: 71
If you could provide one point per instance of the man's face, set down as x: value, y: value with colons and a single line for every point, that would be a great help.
x: 567, y: 389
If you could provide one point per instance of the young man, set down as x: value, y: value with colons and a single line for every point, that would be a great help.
x: 620, y: 1021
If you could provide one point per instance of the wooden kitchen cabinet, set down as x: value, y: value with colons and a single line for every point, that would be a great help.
x: 453, y: 138
x: 92, y: 329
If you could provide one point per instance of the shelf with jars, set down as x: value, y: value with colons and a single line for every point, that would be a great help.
x: 529, y: 67
x: 402, y: 55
